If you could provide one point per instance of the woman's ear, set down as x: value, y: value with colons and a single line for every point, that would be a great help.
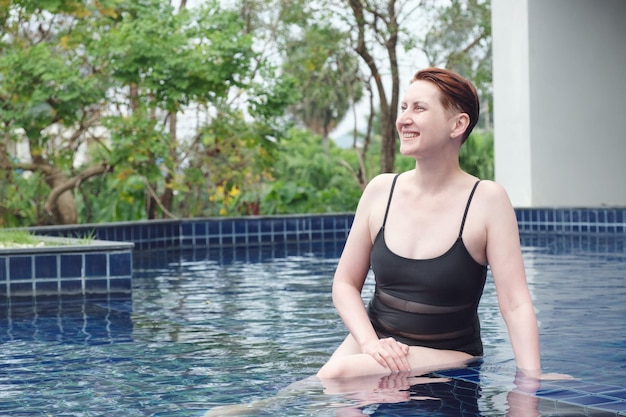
x: 461, y: 121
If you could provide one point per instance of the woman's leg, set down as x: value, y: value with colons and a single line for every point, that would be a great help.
x: 349, y: 362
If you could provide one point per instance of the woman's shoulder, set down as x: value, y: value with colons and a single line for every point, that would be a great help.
x: 492, y: 197
x: 376, y: 190
x: 380, y: 182
x: 492, y: 190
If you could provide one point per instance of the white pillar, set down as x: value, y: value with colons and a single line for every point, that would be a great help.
x: 559, y: 101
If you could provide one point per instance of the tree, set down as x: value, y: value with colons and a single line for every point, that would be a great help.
x: 109, y: 83
x: 49, y: 96
x: 327, y: 75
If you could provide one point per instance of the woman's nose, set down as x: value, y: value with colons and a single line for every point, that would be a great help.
x: 403, y: 120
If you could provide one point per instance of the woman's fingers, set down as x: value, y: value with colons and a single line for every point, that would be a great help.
x: 391, y: 354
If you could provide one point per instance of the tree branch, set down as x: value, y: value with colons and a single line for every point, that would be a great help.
x: 74, y: 182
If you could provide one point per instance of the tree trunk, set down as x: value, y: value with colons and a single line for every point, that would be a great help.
x: 167, y: 198
x: 389, y: 108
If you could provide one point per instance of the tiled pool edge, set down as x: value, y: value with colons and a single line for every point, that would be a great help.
x: 259, y: 230
x: 572, y: 220
x: 94, y: 270
x: 110, y: 272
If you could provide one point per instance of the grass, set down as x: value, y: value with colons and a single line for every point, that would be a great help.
x: 23, y: 238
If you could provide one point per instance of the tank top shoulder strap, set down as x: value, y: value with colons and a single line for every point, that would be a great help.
x: 393, y: 185
x: 469, y: 200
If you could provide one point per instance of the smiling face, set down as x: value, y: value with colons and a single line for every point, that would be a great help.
x: 423, y: 123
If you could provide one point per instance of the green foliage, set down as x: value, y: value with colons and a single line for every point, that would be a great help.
x: 107, y: 80
x: 309, y: 180
x: 326, y: 70
x: 111, y: 198
x: 231, y: 159
x: 476, y: 156
x: 22, y: 198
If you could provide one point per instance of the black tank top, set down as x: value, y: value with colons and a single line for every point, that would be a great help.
x: 428, y: 302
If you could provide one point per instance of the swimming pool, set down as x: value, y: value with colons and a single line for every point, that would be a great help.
x: 213, y: 327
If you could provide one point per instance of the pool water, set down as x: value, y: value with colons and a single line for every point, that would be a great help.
x: 221, y: 327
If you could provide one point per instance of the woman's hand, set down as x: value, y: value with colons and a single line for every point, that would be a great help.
x: 529, y: 381
x: 389, y: 353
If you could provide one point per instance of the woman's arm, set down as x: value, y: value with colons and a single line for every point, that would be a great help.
x: 352, y: 271
x: 505, y: 259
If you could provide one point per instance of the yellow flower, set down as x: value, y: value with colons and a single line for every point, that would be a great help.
x: 223, y: 212
x: 234, y: 192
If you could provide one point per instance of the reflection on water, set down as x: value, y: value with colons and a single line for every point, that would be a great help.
x: 71, y: 321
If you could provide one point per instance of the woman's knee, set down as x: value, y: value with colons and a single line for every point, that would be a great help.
x: 329, y: 371
x: 335, y: 368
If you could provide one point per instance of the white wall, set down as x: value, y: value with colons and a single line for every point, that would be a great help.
x: 559, y: 101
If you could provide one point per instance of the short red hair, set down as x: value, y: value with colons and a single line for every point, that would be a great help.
x: 457, y: 93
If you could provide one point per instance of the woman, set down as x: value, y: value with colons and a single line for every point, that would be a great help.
x: 429, y: 234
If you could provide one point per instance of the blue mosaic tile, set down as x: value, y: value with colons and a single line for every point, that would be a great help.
x: 20, y: 267
x: 46, y: 288
x: 186, y: 229
x: 618, y: 407
x: 558, y: 394
x: 329, y: 223
x: 200, y: 229
x: 120, y: 264
x: 98, y: 286
x: 157, y: 231
x: 598, y: 388
x: 254, y: 227
x: 72, y: 287
x: 227, y: 227
x: 213, y: 228
x: 46, y: 266
x: 3, y: 269
x: 278, y: 225
x: 240, y: 227
x: 71, y: 266
x: 96, y: 265
x: 266, y: 226
x: 120, y: 286
x: 620, y: 394
x: 21, y: 289
x: 254, y: 238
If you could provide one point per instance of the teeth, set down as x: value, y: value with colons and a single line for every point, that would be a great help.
x: 409, y: 135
